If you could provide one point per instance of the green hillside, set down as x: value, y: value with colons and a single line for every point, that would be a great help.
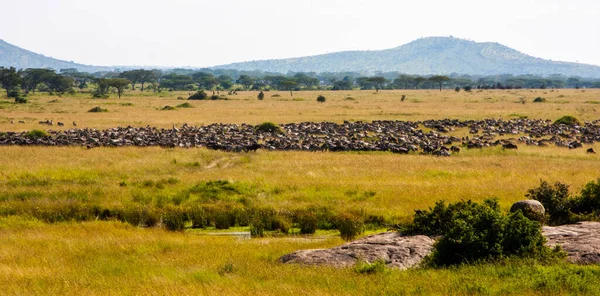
x: 433, y: 55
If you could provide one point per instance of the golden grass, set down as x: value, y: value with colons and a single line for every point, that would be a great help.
x: 114, y: 258
x: 246, y: 108
x: 109, y: 258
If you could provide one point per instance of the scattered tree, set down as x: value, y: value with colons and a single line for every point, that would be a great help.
x: 439, y: 79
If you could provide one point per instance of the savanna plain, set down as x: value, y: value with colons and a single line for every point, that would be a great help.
x: 59, y: 233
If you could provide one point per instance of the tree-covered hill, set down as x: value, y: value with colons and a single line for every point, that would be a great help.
x: 433, y: 55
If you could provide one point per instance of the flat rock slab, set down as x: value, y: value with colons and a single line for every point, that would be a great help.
x: 581, y: 241
x: 396, y: 250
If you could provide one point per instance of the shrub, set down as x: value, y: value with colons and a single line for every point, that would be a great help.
x: 185, y: 105
x: 198, y: 217
x: 474, y: 232
x: 555, y: 200
x: 97, y: 110
x: 36, y: 134
x: 307, y: 222
x: 589, y: 200
x: 150, y: 217
x: 457, y: 89
x: 269, y: 127
x: 167, y: 108
x: 350, y: 226
x: 369, y: 268
x: 261, y: 95
x: 568, y: 120
x: 403, y: 98
x: 20, y: 100
x: 222, y: 220
x: 276, y: 96
x: 539, y: 100
x: 214, y: 97
x: 350, y: 99
x: 199, y: 95
x: 321, y: 99
x: 174, y: 218
x: 467, y: 88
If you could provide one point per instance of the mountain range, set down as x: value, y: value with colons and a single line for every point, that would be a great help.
x: 425, y: 56
x: 14, y: 56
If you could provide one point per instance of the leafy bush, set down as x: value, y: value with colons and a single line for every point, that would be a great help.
x: 20, y: 100
x: 467, y: 88
x: 568, y: 120
x: 97, y: 110
x: 457, y: 89
x: 473, y: 232
x: 589, y: 200
x: 261, y: 95
x: 269, y: 127
x: 555, y: 199
x: 36, y: 134
x: 174, y: 218
x: 276, y: 96
x: 539, y: 100
x: 307, y: 222
x: 198, y: 217
x: 350, y: 226
x: 199, y: 95
x: 185, y: 105
x: 215, y: 97
x: 167, y: 108
x: 223, y: 220
x: 321, y: 99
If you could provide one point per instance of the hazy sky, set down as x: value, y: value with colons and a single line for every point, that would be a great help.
x: 206, y: 33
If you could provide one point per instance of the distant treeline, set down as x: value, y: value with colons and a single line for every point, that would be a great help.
x: 22, y: 82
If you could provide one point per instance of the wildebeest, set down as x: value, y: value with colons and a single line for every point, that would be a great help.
x: 509, y: 146
x: 590, y: 151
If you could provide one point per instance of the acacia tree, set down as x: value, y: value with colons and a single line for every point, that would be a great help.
x: 31, y: 78
x: 378, y: 82
x: 440, y: 79
x: 289, y: 84
x: 119, y: 84
x: 9, y: 79
x: 246, y: 81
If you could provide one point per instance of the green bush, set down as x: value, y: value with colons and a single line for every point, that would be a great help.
x: 36, y: 134
x: 307, y: 222
x: 261, y: 95
x: 198, y: 217
x: 321, y: 99
x: 174, y: 218
x: 589, y: 200
x: 199, y: 95
x: 20, y: 100
x: 556, y: 201
x: 185, y: 105
x: 568, y: 120
x: 222, y: 220
x: 269, y: 127
x: 97, y: 110
x: 474, y: 232
x: 168, y: 108
x: 539, y: 100
x: 350, y: 226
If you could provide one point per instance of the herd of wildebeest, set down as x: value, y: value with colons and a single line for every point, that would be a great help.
x: 436, y: 137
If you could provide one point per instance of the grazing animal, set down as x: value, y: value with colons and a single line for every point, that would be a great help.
x: 21, y: 121
x: 60, y: 124
x: 74, y: 123
x: 574, y: 145
x: 12, y: 122
x: 509, y: 146
x: 455, y: 149
x: 590, y: 151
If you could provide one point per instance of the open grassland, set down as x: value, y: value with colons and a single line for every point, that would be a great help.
x: 140, y: 109
x: 108, y: 257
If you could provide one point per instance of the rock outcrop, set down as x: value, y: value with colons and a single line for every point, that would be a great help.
x: 581, y: 241
x: 396, y: 250
x: 532, y: 209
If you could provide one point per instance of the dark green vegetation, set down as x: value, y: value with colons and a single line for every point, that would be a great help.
x: 568, y: 120
x: 474, y: 232
x: 562, y: 208
x: 445, y: 55
x: 97, y: 109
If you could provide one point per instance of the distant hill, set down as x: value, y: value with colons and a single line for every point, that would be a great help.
x: 433, y: 55
x: 14, y: 56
